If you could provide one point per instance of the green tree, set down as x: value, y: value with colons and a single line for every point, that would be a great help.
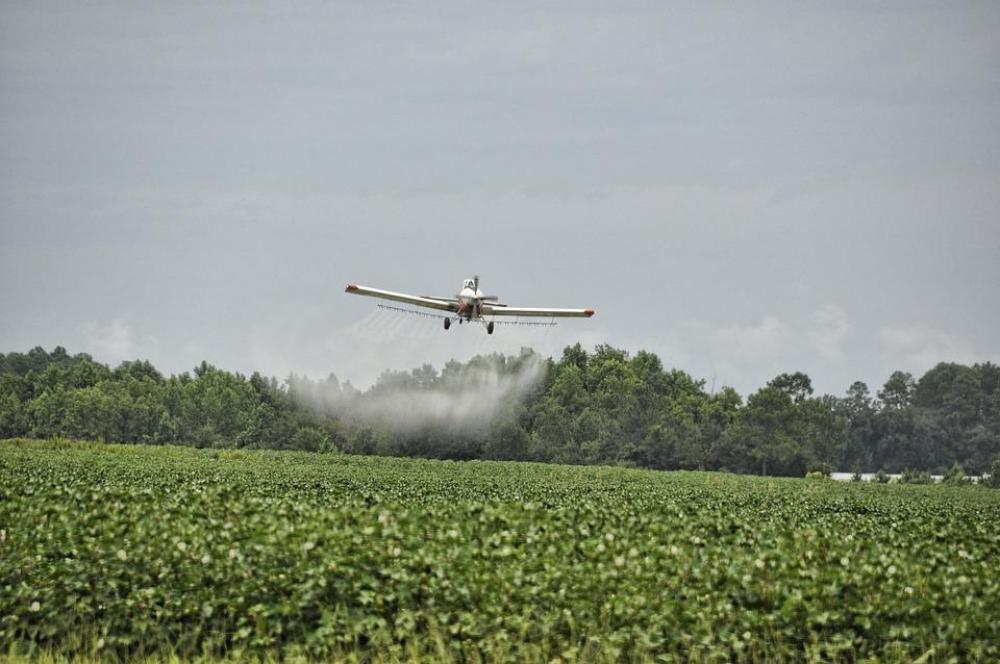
x: 897, y: 393
x: 797, y: 386
x: 993, y: 479
x: 782, y: 431
x: 858, y: 410
x: 13, y: 422
x: 765, y: 435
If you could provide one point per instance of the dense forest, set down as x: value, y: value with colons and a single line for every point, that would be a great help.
x: 588, y: 407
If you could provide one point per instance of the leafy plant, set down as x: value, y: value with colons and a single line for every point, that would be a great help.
x: 955, y: 476
x: 916, y: 477
x: 124, y: 553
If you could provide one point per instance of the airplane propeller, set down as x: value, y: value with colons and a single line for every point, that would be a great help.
x: 484, y: 298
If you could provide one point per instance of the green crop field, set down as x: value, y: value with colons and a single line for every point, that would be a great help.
x: 119, y: 552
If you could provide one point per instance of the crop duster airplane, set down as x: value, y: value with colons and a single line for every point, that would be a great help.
x: 468, y: 305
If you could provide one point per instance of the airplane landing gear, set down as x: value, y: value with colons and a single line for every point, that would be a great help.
x: 447, y: 323
x: 489, y: 328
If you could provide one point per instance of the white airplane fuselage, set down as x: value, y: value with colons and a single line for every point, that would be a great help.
x: 470, y: 300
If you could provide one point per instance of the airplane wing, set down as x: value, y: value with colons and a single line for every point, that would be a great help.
x: 504, y: 310
x: 415, y: 300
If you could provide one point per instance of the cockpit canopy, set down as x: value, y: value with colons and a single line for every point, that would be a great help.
x: 469, y: 283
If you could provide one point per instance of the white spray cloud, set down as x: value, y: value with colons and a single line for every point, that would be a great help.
x: 305, y: 341
x: 462, y: 397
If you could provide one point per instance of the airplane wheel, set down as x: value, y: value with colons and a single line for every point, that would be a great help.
x: 489, y: 328
x: 447, y: 323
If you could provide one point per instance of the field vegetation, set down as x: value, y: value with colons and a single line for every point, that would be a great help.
x: 120, y: 552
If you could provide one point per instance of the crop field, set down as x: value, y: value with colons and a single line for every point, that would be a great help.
x: 121, y: 552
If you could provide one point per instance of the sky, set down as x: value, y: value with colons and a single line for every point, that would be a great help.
x: 744, y: 189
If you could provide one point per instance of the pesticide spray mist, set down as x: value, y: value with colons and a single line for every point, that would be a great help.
x: 463, y: 400
x: 463, y: 397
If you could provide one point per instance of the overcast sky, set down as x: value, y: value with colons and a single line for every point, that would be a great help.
x: 805, y: 186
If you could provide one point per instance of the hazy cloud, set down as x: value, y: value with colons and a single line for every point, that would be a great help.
x: 741, y: 355
x: 919, y: 347
x: 116, y: 342
x: 829, y: 331
x: 768, y: 339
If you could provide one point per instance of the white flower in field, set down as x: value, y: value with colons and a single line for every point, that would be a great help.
x: 908, y: 590
x: 619, y: 561
x: 233, y: 553
x: 3, y: 535
x: 100, y: 643
x: 453, y: 533
x: 121, y: 555
x: 309, y: 546
x: 206, y: 559
x: 759, y: 564
x: 845, y: 561
x: 182, y: 546
x: 35, y: 607
x: 675, y: 550
x: 610, y: 537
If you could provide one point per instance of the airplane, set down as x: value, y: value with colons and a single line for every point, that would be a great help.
x: 468, y: 305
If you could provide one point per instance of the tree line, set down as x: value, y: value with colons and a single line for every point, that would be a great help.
x: 603, y: 406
